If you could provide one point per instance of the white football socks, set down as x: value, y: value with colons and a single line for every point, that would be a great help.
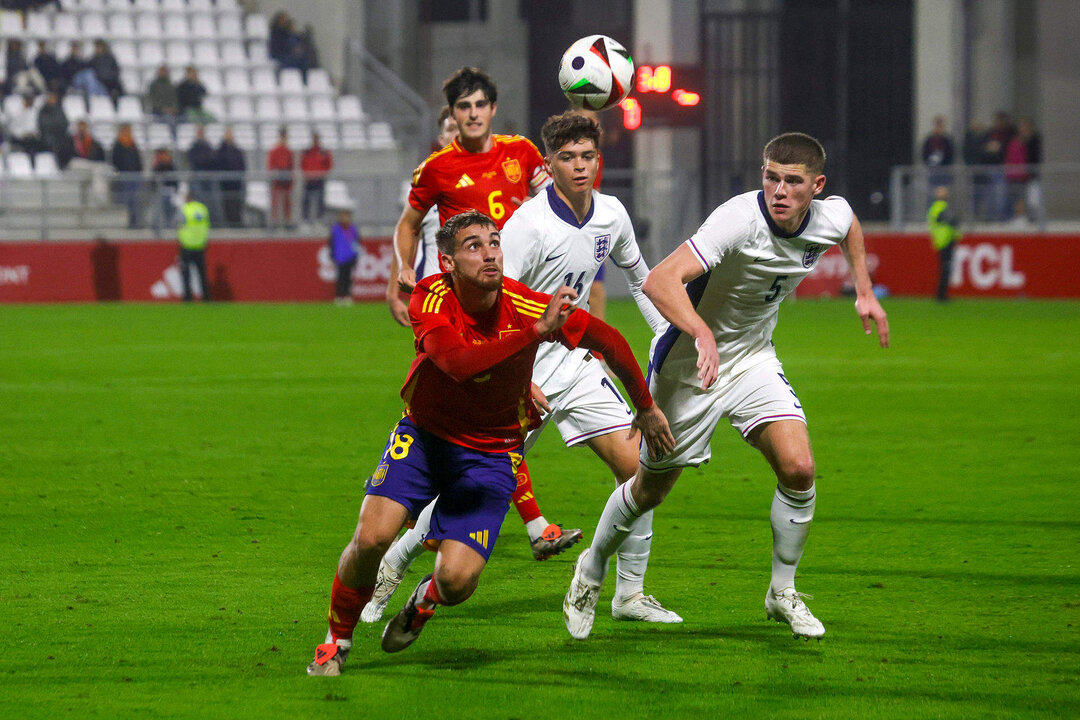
x: 536, y: 527
x: 411, y: 545
x: 620, y: 514
x: 792, y: 511
x: 633, y: 558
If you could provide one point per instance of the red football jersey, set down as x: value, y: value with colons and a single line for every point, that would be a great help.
x: 492, y: 410
x: 457, y: 180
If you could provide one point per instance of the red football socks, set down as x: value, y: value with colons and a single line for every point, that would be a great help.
x: 523, y: 497
x: 345, y: 606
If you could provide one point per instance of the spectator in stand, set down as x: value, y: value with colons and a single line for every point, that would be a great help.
x: 230, y: 159
x: 22, y: 77
x: 202, y: 159
x: 49, y: 68
x: 997, y: 139
x: 161, y: 97
x: 126, y: 159
x: 974, y: 152
x: 190, y: 94
x: 283, y: 38
x: 1025, y: 194
x: 316, y: 164
x: 937, y: 151
x: 81, y: 146
x: 165, y: 187
x: 106, y: 69
x: 344, y: 251
x: 52, y: 124
x: 22, y: 126
x: 74, y: 65
x: 279, y: 163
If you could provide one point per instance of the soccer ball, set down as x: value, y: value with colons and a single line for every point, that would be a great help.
x: 596, y: 73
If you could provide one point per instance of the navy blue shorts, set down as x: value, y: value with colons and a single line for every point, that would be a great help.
x: 474, y: 487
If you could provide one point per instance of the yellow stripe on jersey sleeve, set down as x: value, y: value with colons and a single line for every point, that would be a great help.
x: 524, y: 301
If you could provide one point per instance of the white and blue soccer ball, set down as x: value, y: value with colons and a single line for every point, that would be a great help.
x: 596, y: 73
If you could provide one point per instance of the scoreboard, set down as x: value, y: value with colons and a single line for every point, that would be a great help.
x: 665, y: 96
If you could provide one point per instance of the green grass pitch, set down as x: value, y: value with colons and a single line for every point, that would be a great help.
x: 176, y: 484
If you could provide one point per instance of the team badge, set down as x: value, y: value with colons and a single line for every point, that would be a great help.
x: 603, y: 247
x: 811, y: 254
x: 512, y: 168
x: 379, y: 475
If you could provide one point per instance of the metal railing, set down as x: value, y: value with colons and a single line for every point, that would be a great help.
x: 90, y: 200
x: 1017, y: 197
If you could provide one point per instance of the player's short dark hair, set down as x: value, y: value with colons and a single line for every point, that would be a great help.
x: 443, y: 114
x: 446, y: 237
x: 466, y: 81
x: 571, y: 126
x: 796, y: 149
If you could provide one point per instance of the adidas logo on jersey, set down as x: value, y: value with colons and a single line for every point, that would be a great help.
x: 465, y: 181
x: 481, y: 538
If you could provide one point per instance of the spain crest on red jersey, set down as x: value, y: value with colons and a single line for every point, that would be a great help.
x: 512, y: 168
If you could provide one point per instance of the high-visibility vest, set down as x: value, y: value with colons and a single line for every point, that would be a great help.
x: 942, y: 234
x: 195, y: 231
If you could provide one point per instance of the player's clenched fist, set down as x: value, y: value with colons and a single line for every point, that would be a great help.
x: 654, y: 428
x: 557, y: 311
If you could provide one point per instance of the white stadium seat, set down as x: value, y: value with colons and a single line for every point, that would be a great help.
x: 200, y: 7
x: 257, y: 195
x: 215, y: 105
x: 232, y: 54
x: 299, y: 137
x: 159, y: 135
x: 229, y: 27
x: 124, y: 52
x: 185, y: 136
x: 10, y: 25
x: 66, y: 27
x: 129, y: 109
x: 257, y: 27
x: 104, y: 133
x: 121, y: 27
x: 337, y: 196
x: 93, y: 25
x: 151, y: 56
x: 318, y: 82
x: 241, y: 109
x: 211, y: 78
x: 322, y: 108
x: 381, y: 135
x: 101, y: 109
x: 19, y: 166
x: 74, y: 107
x: 349, y: 108
x: 328, y: 135
x: 264, y: 81
x: 176, y: 27
x: 245, y: 136
x: 291, y: 82
x: 206, y: 55
x: 131, y: 79
x: 268, y: 134
x: 203, y: 27
x: 178, y: 53
x: 91, y: 6
x: 148, y: 27
x: 237, y: 82
x: 267, y: 108
x: 353, y: 136
x: 12, y: 103
x: 119, y: 6
x: 214, y: 132
x: 39, y: 25
x: 45, y: 165
x: 296, y: 110
x: 174, y: 6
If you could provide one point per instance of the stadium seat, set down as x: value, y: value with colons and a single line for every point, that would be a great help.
x: 203, y: 27
x: 291, y: 82
x: 206, y: 55
x: 257, y: 27
x: 241, y: 109
x: 229, y: 27
x: 38, y: 25
x: 19, y: 166
x: 131, y: 79
x: 232, y: 54
x: 322, y: 109
x: 91, y: 6
x: 215, y: 105
x: 10, y: 25
x: 74, y: 107
x: 211, y: 78
x: 245, y: 136
x: 318, y: 82
x: 173, y: 6
x: 101, y: 109
x: 104, y: 133
x: 264, y: 81
x: 119, y: 6
x: 176, y: 27
x: 328, y: 135
x: 129, y: 109
x: 124, y: 52
x: 45, y: 165
x: 353, y: 136
x: 178, y: 53
x: 65, y: 27
x: 337, y: 196
x: 299, y: 137
x: 151, y: 56
x: 268, y: 134
x: 159, y: 135
x: 185, y: 136
x: 93, y: 25
x: 148, y: 27
x: 259, y: 53
x: 296, y: 110
x: 200, y: 7
x: 381, y: 136
x: 257, y: 195
x: 349, y: 108
x: 214, y: 132
x: 12, y: 103
x: 267, y: 108
x: 121, y: 27
x: 236, y: 82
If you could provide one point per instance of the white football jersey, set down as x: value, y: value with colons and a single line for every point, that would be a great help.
x: 750, y: 266
x: 545, y: 247
x: 427, y: 253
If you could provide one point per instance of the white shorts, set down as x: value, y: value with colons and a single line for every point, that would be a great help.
x: 591, y: 406
x: 758, y: 395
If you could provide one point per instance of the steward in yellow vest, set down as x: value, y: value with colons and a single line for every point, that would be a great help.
x: 193, y: 235
x: 944, y: 234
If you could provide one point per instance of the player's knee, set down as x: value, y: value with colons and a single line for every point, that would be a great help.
x: 797, y: 473
x: 455, y: 584
x: 371, y: 541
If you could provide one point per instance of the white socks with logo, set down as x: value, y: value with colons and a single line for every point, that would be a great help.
x: 792, y: 511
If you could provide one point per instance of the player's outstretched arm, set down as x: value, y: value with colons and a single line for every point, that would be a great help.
x: 866, y: 303
x: 664, y: 287
x: 406, y: 239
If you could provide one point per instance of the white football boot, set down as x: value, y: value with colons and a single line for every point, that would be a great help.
x: 386, y: 582
x: 788, y: 606
x: 644, y: 608
x: 579, y: 605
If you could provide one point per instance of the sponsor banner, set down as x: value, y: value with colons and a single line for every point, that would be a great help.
x: 984, y: 265
x: 240, y: 270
